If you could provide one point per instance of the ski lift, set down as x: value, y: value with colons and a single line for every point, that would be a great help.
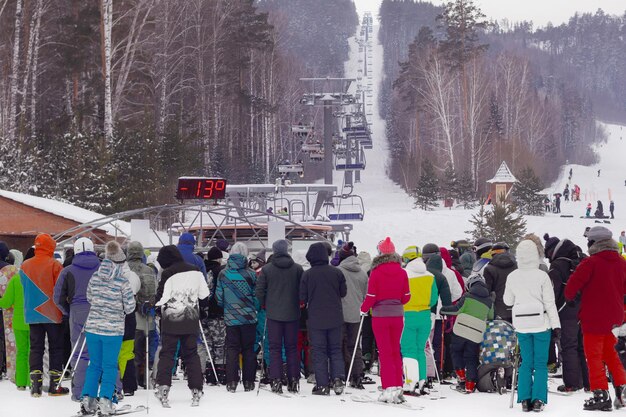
x: 287, y: 168
x: 309, y: 147
x: 317, y: 156
x: 346, y: 207
x: 301, y: 129
x: 341, y: 163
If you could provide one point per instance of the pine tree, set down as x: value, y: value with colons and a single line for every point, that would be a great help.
x: 427, y: 190
x: 479, y: 220
x: 465, y: 190
x: 525, y: 193
x: 501, y: 223
x: 449, y: 185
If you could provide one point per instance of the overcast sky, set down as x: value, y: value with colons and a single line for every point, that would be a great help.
x: 539, y: 11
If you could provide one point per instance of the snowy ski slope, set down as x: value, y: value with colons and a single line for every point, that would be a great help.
x: 389, y: 212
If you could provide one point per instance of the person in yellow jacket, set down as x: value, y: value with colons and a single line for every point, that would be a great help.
x: 417, y: 321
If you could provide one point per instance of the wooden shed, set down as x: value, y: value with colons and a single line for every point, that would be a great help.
x: 501, y: 185
x: 23, y: 217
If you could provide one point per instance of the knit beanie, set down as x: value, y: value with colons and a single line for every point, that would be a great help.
x: 222, y: 245
x: 280, y: 247
x: 346, y: 251
x: 260, y: 256
x: 551, y: 243
x: 386, y: 247
x: 598, y: 233
x: 239, y: 248
x: 114, y: 252
x: 214, y: 254
x: 429, y: 250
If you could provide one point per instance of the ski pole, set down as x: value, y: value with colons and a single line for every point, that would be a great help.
x: 262, y: 353
x: 147, y: 371
x: 356, y: 346
x: 517, y: 355
x: 67, y: 365
x: 206, y: 345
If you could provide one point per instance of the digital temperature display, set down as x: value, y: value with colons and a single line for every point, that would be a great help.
x: 201, y: 189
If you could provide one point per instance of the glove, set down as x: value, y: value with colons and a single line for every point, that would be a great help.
x: 302, y: 305
x: 557, y: 333
x: 364, y: 313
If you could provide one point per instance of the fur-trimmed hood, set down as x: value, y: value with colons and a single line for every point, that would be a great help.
x: 386, y: 258
x: 603, y: 245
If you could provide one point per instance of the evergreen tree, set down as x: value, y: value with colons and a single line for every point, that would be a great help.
x: 427, y: 190
x: 505, y: 224
x: 462, y: 21
x: 480, y: 224
x: 449, y: 185
x: 465, y: 190
x: 525, y: 193
x: 501, y: 223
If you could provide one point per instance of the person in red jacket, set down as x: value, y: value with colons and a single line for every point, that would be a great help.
x: 600, y: 282
x: 387, y: 291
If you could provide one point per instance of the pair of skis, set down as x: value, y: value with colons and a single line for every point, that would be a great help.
x: 364, y: 398
x: 120, y: 411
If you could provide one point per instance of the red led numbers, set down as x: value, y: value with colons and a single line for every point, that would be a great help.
x: 201, y: 189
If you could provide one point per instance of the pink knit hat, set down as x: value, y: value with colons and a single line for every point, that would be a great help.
x: 386, y: 247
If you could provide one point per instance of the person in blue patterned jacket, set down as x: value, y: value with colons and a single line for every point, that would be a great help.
x: 111, y: 298
x: 235, y: 293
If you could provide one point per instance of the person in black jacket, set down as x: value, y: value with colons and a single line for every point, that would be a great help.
x: 322, y: 288
x: 496, y: 273
x: 181, y: 289
x: 213, y: 323
x: 278, y: 290
x: 564, y: 255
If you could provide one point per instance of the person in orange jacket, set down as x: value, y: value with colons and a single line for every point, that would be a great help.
x: 38, y: 276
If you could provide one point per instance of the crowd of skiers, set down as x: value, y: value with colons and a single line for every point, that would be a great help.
x: 332, y: 313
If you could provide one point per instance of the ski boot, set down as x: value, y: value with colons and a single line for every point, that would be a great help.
x: 105, y: 407
x: 248, y: 386
x: 366, y: 380
x: 387, y: 395
x: 196, y: 394
x: 356, y: 382
x: 162, y: 392
x: 421, y: 388
x: 538, y: 406
x: 620, y: 397
x: 374, y: 368
x: 293, y: 386
x: 601, y: 400
x: 367, y: 362
x: 55, y: 389
x: 88, y: 405
x: 338, y: 386
x: 231, y: 386
x: 311, y: 379
x: 397, y: 395
x: 568, y: 390
x: 527, y: 406
x: 321, y: 390
x: 36, y: 381
x: 470, y: 386
x: 277, y: 386
x: 460, y: 378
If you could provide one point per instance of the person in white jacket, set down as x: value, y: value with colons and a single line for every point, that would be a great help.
x: 529, y: 291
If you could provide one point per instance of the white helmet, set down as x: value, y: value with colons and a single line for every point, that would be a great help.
x: 83, y: 244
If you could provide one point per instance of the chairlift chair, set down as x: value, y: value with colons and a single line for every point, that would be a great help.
x: 347, y: 207
x: 286, y: 169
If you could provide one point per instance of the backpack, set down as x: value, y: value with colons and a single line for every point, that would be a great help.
x: 573, y: 263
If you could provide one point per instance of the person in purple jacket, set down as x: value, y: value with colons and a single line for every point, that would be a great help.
x: 70, y: 295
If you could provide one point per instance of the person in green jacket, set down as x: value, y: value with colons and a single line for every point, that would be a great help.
x: 417, y: 321
x: 13, y: 300
x: 472, y: 311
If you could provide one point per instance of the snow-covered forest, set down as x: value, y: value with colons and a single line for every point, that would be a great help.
x: 103, y: 103
x: 467, y: 93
